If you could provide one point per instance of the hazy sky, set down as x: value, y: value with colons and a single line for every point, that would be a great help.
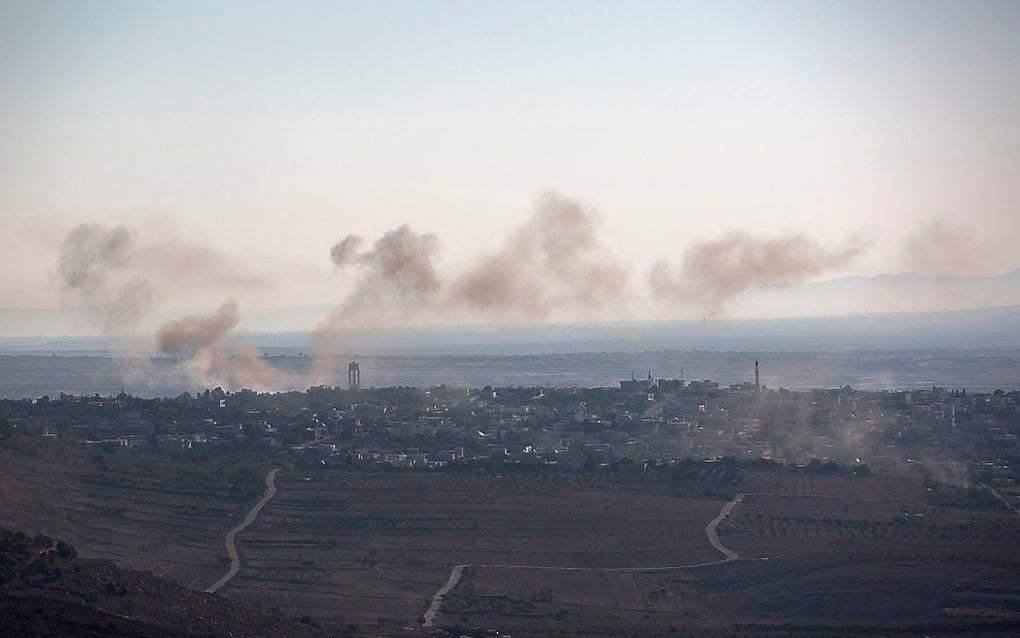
x: 268, y: 131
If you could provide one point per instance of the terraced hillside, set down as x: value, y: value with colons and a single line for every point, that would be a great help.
x: 142, y: 510
x: 365, y: 547
x: 802, y: 528
x: 46, y: 590
x: 898, y: 488
x: 818, y: 566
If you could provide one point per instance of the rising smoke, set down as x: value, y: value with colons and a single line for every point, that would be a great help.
x: 941, y: 247
x: 190, y: 334
x: 554, y: 265
x: 118, y: 273
x: 118, y: 278
x: 714, y: 272
x: 554, y: 261
x: 345, y: 251
x: 94, y: 270
x: 396, y: 273
x: 202, y: 343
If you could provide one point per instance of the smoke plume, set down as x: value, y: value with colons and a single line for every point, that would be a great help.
x: 396, y: 271
x: 109, y: 270
x: 345, y: 251
x: 556, y: 265
x: 941, y: 247
x: 94, y: 270
x: 188, y: 335
x: 713, y: 272
x: 394, y: 279
x: 201, y: 340
x: 553, y: 262
x: 118, y: 274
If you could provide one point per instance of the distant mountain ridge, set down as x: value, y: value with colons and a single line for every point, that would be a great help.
x: 903, y: 292
x: 845, y: 296
x: 987, y: 328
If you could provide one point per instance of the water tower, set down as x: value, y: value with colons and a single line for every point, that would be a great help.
x: 353, y: 375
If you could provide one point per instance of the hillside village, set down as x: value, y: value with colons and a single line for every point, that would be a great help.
x: 955, y: 437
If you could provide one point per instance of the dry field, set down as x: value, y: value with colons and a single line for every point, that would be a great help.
x: 142, y: 511
x: 798, y: 528
x: 828, y: 565
x: 363, y: 547
x: 833, y: 555
x: 747, y: 599
x: 898, y: 489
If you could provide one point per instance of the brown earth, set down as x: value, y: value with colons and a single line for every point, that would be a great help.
x: 820, y: 554
x: 41, y: 580
x: 145, y: 511
x: 376, y: 547
x: 818, y: 565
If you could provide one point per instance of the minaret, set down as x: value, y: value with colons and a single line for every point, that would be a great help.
x: 757, y: 378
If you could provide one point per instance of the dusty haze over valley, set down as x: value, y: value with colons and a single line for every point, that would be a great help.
x: 509, y: 319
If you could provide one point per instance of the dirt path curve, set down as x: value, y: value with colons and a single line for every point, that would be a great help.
x: 710, y: 531
x: 235, y: 560
x: 997, y: 494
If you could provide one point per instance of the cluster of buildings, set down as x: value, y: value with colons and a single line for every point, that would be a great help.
x: 973, y: 436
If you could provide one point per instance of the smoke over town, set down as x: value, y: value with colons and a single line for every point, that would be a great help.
x: 202, y: 344
x: 714, y: 272
x: 553, y: 266
x: 554, y: 261
x: 201, y: 340
x: 119, y: 279
x: 119, y: 273
x: 398, y: 268
x: 190, y: 334
x: 94, y: 270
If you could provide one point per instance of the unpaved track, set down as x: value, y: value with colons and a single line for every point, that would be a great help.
x: 235, y: 560
x: 710, y: 531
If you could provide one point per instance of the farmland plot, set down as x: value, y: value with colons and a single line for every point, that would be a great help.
x: 364, y: 546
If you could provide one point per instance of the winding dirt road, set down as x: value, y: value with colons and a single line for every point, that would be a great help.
x: 235, y: 560
x: 710, y: 531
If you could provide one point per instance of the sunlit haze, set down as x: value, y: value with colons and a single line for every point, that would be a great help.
x: 881, y: 136
x: 532, y: 318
